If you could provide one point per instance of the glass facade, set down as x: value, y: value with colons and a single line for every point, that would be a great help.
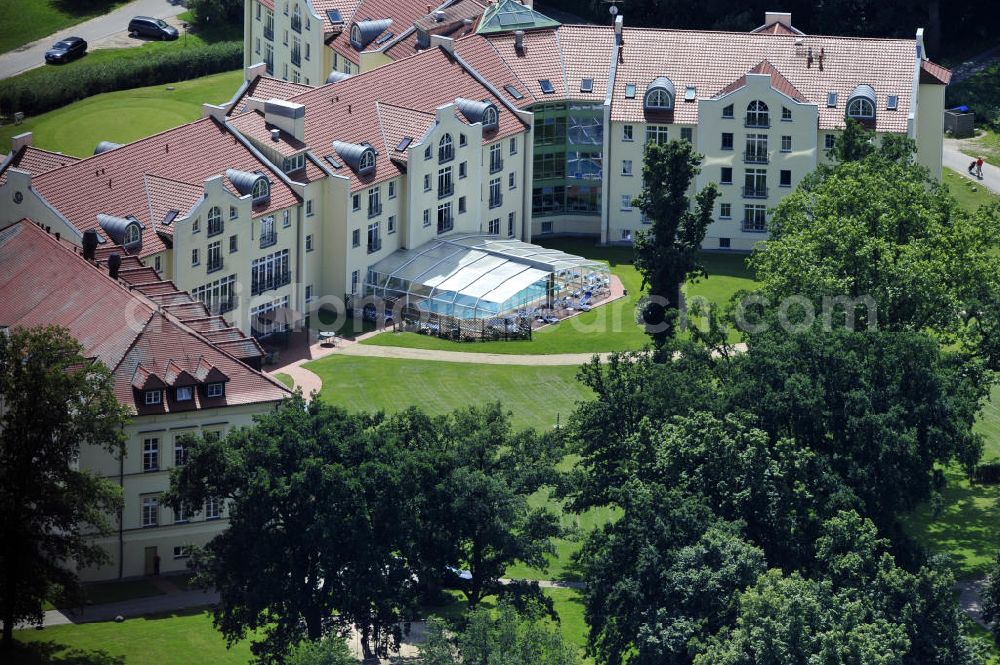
x: 568, y: 160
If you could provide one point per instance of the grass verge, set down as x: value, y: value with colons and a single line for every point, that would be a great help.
x: 969, y: 193
x: 285, y: 379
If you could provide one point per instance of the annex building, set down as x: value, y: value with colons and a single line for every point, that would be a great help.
x: 367, y: 130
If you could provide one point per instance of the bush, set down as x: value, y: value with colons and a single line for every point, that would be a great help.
x: 981, y: 92
x: 57, y: 87
x: 988, y: 473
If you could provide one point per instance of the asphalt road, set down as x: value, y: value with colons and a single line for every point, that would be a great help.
x: 103, y: 31
x: 957, y: 161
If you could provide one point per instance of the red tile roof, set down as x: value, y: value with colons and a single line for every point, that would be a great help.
x: 778, y: 82
x: 398, y: 123
x: 451, y: 24
x: 252, y: 126
x: 264, y: 87
x: 115, y: 182
x: 402, y: 12
x: 37, y: 161
x: 776, y: 28
x: 934, y: 73
x: 345, y: 7
x: 45, y: 282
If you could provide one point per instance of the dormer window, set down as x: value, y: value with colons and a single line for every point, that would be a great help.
x: 153, y: 397
x: 355, y: 34
x: 294, y: 163
x: 184, y: 394
x: 261, y: 190
x: 215, y: 389
x: 359, y: 156
x: 659, y: 95
x: 367, y: 163
x: 132, y: 234
x: 491, y: 117
x: 861, y: 103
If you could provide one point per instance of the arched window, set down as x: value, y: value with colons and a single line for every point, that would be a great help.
x: 859, y: 107
x: 132, y: 234
x: 367, y: 162
x: 215, y: 221
x: 261, y: 190
x: 356, y: 34
x: 490, y: 117
x: 659, y: 98
x: 446, y: 149
x: 757, y: 114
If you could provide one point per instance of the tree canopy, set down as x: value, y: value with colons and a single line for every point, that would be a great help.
x: 53, y: 401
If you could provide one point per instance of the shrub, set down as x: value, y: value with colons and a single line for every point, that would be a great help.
x: 57, y: 87
x: 987, y: 473
x: 981, y: 92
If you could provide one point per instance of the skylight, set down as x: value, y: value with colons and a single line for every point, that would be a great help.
x: 333, y: 161
x: 404, y: 143
x: 334, y: 16
x: 170, y: 217
x: 689, y: 93
x: 586, y: 85
x: 831, y: 99
x: 892, y: 102
x: 513, y: 92
x: 546, y: 86
x: 630, y: 91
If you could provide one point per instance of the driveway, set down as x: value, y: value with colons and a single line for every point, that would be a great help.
x: 106, y: 31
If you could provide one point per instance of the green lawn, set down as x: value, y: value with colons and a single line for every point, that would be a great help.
x: 968, y: 193
x: 23, y: 21
x: 535, y: 395
x: 123, y: 116
x: 184, y: 638
x: 611, y: 327
x: 285, y: 379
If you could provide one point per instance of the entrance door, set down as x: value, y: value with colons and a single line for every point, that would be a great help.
x: 150, y: 561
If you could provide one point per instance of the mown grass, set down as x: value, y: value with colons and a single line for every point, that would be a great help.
x: 24, y: 21
x: 969, y: 194
x: 285, y: 379
x: 123, y: 116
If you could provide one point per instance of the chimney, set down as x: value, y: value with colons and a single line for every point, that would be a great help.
x: 217, y: 111
x: 519, y: 41
x: 447, y: 43
x: 429, y: 8
x: 20, y: 141
x: 467, y: 24
x: 253, y: 71
x: 809, y: 58
x: 288, y: 116
x: 89, y: 244
x: 58, y: 235
x: 114, y: 264
x: 439, y: 16
x: 275, y: 135
x: 770, y: 18
x: 822, y: 54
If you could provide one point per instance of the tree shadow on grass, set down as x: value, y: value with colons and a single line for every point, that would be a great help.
x: 53, y: 653
x: 85, y: 7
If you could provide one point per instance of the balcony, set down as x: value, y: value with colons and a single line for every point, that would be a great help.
x: 214, y: 265
x: 749, y: 226
x: 496, y: 201
x: 757, y: 122
x: 374, y: 210
x: 496, y: 164
x: 374, y: 245
x: 754, y: 192
x: 270, y: 283
x: 215, y: 229
x: 446, y: 191
x: 268, y: 238
x: 756, y: 157
x: 269, y: 32
x: 296, y: 24
x: 296, y: 57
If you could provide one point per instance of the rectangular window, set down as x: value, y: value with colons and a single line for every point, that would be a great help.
x: 726, y: 176
x: 195, y: 259
x: 627, y: 133
x: 184, y: 393
x: 309, y: 208
x: 656, y: 134
x: 727, y: 111
x: 215, y: 389
x: 755, y: 218
x: 150, y: 454
x: 461, y: 205
x: 626, y: 167
x: 219, y: 296
x: 831, y: 99
x: 496, y: 161
x: 513, y: 145
x: 494, y: 227
x: 392, y: 189
x: 724, y: 243
x: 390, y: 224
x: 150, y: 511
x: 356, y: 202
x: 213, y: 508
x: 427, y: 217
x: 627, y: 234
x: 463, y: 170
x: 214, y: 256
x: 156, y: 263
x: 549, y: 165
x: 180, y: 515
x: 756, y: 149
x: 427, y: 182
x: 892, y: 102
x: 511, y: 180
x: 786, y: 178
x: 786, y: 113
x: 511, y: 217
x: 687, y: 134
x: 630, y: 91
x: 445, y: 221
x: 309, y: 293
x: 755, y: 184
x: 496, y: 197
x: 153, y: 397
x: 233, y: 244
x: 286, y: 219
x: 725, y: 210
x: 307, y: 51
x: 309, y: 243
x: 356, y: 238
x: 546, y: 227
x: 626, y: 202
x: 268, y: 234
x: 463, y: 140
x: 829, y: 140
x: 374, y: 237
x: 786, y: 144
x: 355, y: 280
x: 196, y: 225
x: 727, y: 140
x: 233, y: 212
x: 445, y: 185
x: 180, y: 455
x: 374, y: 201
x: 182, y: 551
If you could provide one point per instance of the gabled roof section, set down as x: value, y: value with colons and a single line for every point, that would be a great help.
x: 253, y: 126
x: 777, y: 28
x: 398, y: 124
x: 778, y: 82
x: 168, y: 199
x: 509, y: 15
x: 934, y: 73
x: 37, y: 161
x: 265, y: 87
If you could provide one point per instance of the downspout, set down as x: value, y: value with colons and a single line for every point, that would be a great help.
x: 608, y: 162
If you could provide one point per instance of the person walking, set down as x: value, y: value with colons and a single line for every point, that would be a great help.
x: 979, y: 167
x: 972, y: 167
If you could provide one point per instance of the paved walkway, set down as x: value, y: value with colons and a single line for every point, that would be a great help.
x: 401, y: 353
x: 167, y: 602
x: 958, y: 161
x: 108, y: 31
x: 968, y: 599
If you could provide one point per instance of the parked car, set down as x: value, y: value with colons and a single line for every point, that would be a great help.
x: 146, y: 26
x: 66, y: 49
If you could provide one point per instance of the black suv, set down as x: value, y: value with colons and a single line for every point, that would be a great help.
x: 156, y: 28
x: 66, y: 49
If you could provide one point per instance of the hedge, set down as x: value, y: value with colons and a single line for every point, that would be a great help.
x: 57, y: 87
x: 987, y: 473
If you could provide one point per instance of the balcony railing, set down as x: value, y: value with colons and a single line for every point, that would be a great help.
x: 757, y: 122
x: 296, y: 23
x: 227, y: 304
x: 268, y: 239
x: 753, y: 227
x: 754, y: 192
x: 296, y: 57
x: 374, y: 210
x: 214, y: 266
x: 445, y: 155
x: 269, y: 283
x: 215, y: 229
x: 496, y: 164
x: 445, y: 225
x: 374, y: 246
x: 269, y: 32
x: 446, y: 191
x: 496, y: 201
x: 756, y: 157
